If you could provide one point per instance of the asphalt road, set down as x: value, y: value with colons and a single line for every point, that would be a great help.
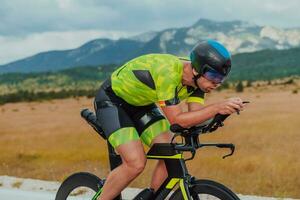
x: 13, y: 188
x: 17, y: 194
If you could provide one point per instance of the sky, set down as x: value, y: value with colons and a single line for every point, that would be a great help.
x: 28, y: 27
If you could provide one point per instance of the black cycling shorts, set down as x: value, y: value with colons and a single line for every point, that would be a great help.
x: 123, y: 122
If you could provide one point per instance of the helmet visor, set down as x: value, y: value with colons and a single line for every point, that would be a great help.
x: 213, y: 76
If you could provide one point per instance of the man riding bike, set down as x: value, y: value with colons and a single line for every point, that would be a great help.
x: 126, y: 106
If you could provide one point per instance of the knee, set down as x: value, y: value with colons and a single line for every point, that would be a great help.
x: 136, y: 166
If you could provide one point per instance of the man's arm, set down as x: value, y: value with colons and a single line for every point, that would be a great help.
x: 187, y: 119
x: 193, y: 106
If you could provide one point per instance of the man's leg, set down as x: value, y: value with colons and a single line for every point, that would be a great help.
x: 134, y: 160
x: 160, y: 172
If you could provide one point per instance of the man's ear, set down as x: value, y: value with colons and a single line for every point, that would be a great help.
x: 194, y: 72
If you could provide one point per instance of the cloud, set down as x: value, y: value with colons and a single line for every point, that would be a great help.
x: 26, y: 17
x: 31, y: 26
x: 30, y: 16
x: 13, y: 47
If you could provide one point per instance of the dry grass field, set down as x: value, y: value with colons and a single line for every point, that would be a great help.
x: 48, y: 140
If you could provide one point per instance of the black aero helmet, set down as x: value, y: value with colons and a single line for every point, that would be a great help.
x: 211, y: 55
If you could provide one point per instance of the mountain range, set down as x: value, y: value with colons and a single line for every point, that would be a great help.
x: 237, y: 36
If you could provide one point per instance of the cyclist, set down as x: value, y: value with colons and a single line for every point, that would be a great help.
x: 126, y: 105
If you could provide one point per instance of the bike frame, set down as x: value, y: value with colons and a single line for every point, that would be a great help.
x: 176, y: 168
x: 171, y: 153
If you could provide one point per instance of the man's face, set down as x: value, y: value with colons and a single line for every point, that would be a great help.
x: 207, y: 85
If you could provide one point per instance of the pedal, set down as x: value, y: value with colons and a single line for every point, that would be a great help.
x: 146, y: 194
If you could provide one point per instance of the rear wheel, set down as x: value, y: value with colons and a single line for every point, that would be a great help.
x: 207, y: 190
x: 79, y: 186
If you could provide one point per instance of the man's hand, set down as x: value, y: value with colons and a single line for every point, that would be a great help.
x: 230, y: 106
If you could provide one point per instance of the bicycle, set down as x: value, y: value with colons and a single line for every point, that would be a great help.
x: 188, y: 187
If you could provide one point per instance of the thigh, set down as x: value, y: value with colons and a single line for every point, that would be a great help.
x: 164, y: 137
x: 150, y: 122
x: 112, y: 118
x: 157, y: 128
x: 116, y: 123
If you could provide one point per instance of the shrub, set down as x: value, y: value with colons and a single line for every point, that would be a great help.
x: 248, y: 83
x: 239, y: 87
x: 295, y: 91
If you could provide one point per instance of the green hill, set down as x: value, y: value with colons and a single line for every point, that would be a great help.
x: 85, y: 80
x: 266, y: 65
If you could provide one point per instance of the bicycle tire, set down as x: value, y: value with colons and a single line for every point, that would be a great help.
x: 222, y: 186
x: 207, y: 187
x: 81, y: 179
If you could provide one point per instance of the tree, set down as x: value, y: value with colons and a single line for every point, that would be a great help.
x: 239, y: 87
x: 249, y: 83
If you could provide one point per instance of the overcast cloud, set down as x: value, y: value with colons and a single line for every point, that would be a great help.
x: 31, y: 26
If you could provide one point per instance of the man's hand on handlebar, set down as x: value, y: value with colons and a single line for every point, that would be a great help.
x: 230, y: 106
x: 219, y: 119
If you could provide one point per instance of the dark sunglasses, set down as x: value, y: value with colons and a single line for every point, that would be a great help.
x: 213, y: 76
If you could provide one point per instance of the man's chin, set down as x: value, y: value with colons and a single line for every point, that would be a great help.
x: 207, y: 90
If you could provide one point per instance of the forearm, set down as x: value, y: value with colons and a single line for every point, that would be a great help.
x: 191, y: 118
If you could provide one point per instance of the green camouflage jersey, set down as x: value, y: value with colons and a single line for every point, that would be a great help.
x: 153, y: 78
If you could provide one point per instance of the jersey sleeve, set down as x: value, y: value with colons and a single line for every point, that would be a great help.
x: 167, y: 92
x: 167, y: 82
x: 196, y: 97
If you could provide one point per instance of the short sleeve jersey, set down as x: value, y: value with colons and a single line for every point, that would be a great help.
x: 153, y: 78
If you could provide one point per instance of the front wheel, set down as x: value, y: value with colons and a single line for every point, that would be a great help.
x: 80, y: 186
x: 207, y: 190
